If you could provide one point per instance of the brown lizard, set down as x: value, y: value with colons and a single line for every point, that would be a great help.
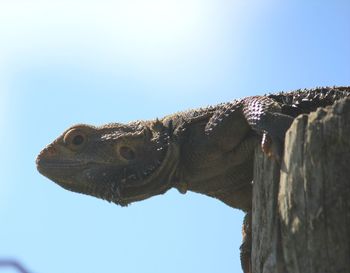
x: 208, y: 150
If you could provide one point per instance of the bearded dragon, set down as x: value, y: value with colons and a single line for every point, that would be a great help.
x: 208, y: 150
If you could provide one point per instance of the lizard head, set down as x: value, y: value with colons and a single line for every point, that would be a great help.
x: 121, y: 163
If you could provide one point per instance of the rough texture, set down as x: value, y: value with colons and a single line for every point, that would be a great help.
x: 301, y: 217
x: 265, y: 223
x: 208, y: 150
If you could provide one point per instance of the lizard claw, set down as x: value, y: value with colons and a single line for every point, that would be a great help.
x: 272, y: 147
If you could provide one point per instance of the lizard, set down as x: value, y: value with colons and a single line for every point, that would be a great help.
x: 207, y: 150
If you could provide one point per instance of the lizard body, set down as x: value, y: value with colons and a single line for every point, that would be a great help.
x: 208, y: 150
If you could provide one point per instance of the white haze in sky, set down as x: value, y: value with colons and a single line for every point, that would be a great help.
x: 136, y: 34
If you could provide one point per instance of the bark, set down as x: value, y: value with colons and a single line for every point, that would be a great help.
x: 301, y: 208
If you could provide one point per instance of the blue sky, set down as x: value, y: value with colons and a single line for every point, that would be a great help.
x: 67, y: 62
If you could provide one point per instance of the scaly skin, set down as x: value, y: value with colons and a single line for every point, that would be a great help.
x: 209, y: 151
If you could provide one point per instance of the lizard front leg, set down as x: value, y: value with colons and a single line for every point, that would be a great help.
x: 265, y: 116
x: 261, y: 114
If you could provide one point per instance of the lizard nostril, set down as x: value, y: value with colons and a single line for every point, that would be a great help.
x: 47, y: 152
x: 50, y: 151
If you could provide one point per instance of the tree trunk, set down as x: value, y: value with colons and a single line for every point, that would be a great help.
x: 301, y: 209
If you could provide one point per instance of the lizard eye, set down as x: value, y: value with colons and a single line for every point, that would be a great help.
x: 127, y: 153
x: 75, y: 139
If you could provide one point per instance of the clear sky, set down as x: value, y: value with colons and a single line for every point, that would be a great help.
x: 65, y: 62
